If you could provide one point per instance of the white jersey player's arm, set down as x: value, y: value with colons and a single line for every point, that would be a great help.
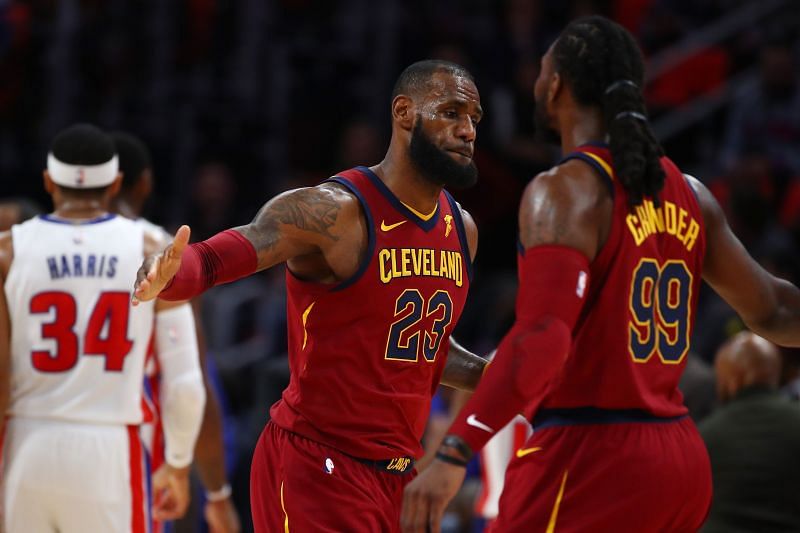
x: 182, y: 392
x: 5, y: 327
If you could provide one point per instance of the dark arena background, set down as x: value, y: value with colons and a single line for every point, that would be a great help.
x: 240, y: 100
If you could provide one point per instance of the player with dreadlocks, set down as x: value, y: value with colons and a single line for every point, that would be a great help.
x: 614, y: 242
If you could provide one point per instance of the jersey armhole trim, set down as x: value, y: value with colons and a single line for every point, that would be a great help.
x: 592, y: 162
x: 370, y: 233
x: 462, y: 233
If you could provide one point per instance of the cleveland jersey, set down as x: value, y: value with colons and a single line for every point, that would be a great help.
x: 78, y: 347
x: 366, y: 356
x: 632, y: 338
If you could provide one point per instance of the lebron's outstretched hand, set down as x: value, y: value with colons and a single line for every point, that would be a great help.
x: 157, y: 270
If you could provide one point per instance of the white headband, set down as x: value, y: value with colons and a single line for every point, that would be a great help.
x: 82, y: 176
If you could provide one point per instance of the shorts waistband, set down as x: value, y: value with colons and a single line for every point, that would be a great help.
x: 397, y: 465
x: 594, y: 415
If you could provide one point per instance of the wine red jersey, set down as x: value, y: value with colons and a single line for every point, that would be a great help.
x: 631, y: 340
x: 366, y: 356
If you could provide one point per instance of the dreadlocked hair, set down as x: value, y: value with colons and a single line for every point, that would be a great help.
x: 603, y: 65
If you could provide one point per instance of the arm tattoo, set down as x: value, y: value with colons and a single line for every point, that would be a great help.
x: 314, y: 210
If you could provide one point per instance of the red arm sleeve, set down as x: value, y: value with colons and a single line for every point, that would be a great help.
x: 553, y: 284
x: 223, y: 258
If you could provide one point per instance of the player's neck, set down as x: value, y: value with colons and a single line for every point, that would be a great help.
x: 83, y: 209
x: 407, y: 184
x: 581, y: 126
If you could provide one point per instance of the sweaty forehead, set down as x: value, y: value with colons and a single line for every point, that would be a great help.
x: 445, y: 86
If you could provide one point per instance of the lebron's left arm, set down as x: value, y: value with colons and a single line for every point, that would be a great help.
x: 463, y: 369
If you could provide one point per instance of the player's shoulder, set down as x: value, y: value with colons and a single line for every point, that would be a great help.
x: 339, y: 199
x: 567, y: 183
x: 154, y: 229
x: 712, y: 211
x: 156, y: 238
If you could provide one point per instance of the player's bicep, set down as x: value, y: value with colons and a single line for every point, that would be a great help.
x: 729, y: 268
x: 297, y: 222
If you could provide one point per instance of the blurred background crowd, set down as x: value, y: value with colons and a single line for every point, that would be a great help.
x: 241, y: 99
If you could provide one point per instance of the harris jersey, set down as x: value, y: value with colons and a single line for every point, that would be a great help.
x: 78, y: 347
x: 366, y: 356
x: 632, y: 338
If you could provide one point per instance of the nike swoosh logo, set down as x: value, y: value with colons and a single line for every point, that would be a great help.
x: 474, y: 422
x: 390, y: 227
x: 522, y: 452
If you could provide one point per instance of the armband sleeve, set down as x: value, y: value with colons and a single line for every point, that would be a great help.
x: 553, y: 285
x: 182, y: 392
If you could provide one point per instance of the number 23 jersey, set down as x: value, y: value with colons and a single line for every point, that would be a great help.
x: 632, y: 338
x: 78, y: 347
x: 367, y: 355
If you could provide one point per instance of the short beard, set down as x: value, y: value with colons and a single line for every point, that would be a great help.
x: 436, y: 166
x: 542, y: 131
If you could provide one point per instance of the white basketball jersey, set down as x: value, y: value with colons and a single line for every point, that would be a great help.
x: 155, y: 231
x: 151, y: 366
x: 77, y: 345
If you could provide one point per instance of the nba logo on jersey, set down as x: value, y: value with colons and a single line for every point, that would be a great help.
x: 581, y: 288
x: 328, y: 465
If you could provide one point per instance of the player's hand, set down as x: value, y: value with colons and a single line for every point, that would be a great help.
x: 157, y: 270
x: 170, y: 492
x: 222, y: 517
x: 425, y: 498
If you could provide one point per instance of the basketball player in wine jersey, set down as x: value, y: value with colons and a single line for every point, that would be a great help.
x: 379, y: 260
x: 614, y: 243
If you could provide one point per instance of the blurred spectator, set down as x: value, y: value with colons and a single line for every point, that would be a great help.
x: 361, y: 144
x: 748, y: 194
x: 753, y: 442
x: 698, y: 387
x: 766, y: 114
x: 17, y: 210
x: 213, y: 205
x: 666, y: 23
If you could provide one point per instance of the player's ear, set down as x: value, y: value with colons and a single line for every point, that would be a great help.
x: 403, y: 111
x: 554, y: 87
x: 113, y: 189
x: 49, y: 186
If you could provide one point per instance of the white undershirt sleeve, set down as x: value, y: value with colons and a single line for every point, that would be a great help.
x: 183, y: 395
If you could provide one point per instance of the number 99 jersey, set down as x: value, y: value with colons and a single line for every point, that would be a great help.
x: 78, y: 347
x: 367, y: 355
x: 631, y: 340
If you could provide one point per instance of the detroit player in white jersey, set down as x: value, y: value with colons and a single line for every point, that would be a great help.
x: 209, y: 454
x: 73, y: 460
